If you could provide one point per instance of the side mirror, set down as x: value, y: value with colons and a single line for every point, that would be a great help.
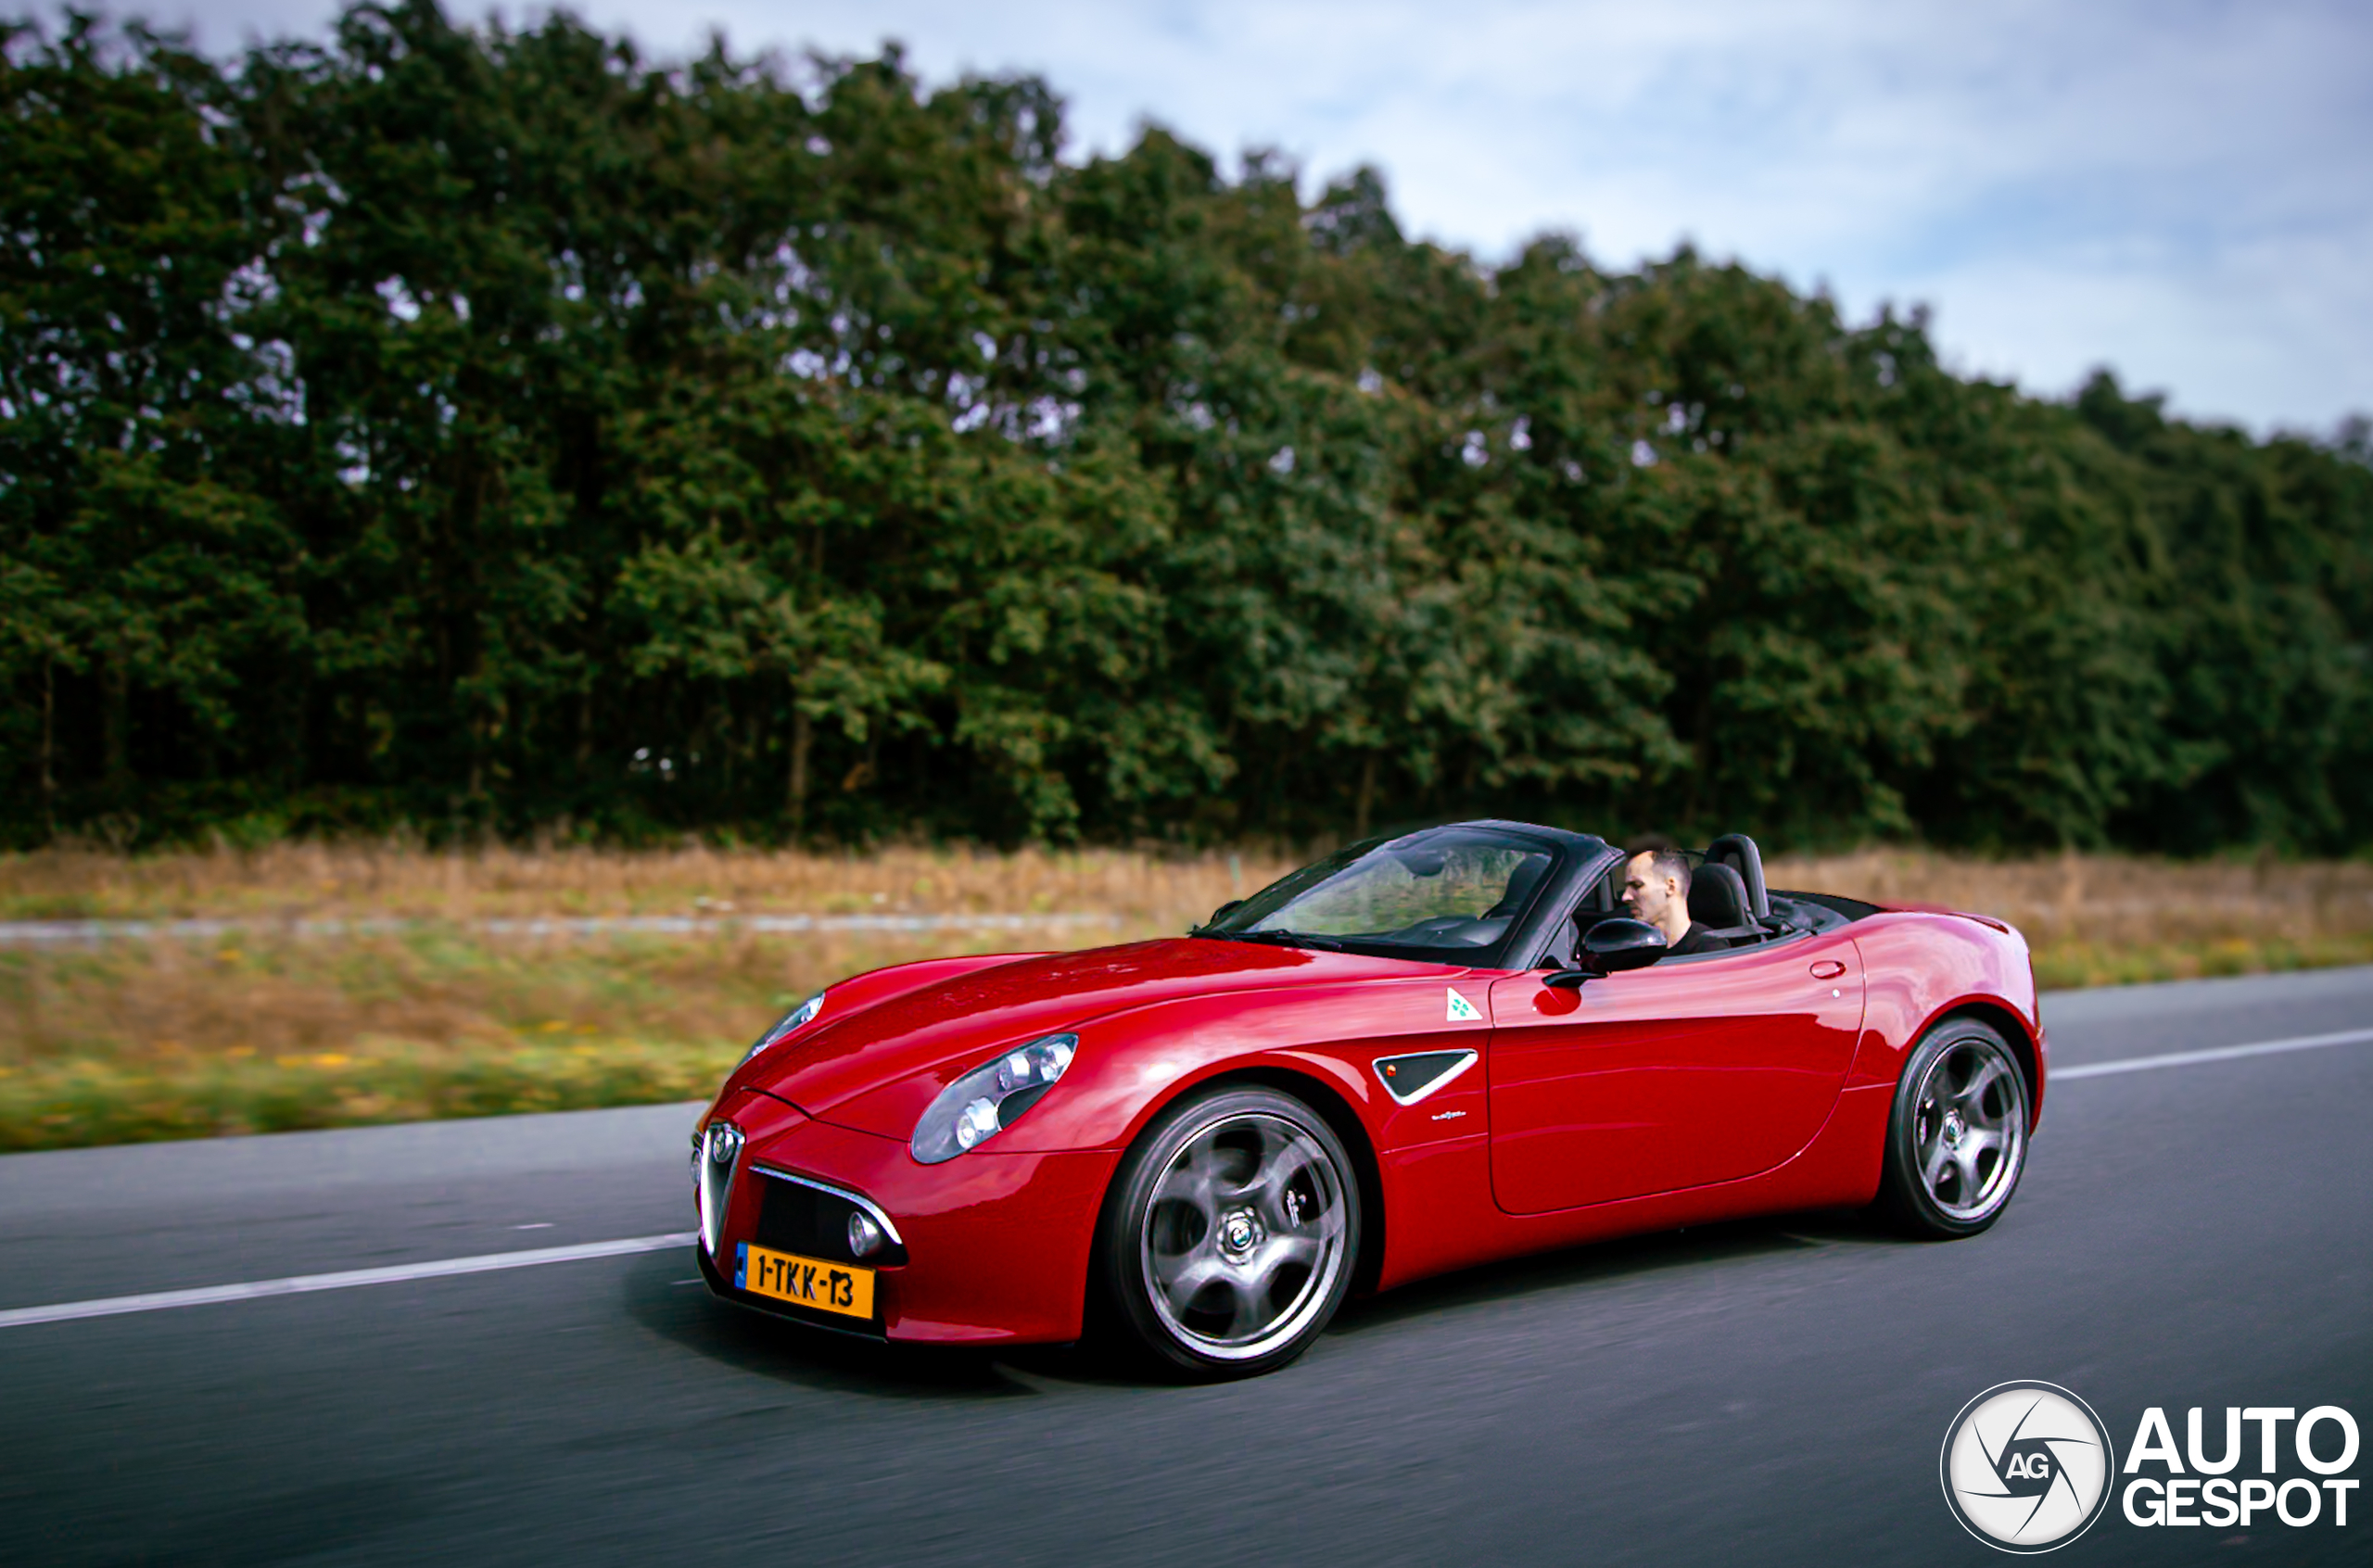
x: 1611, y: 947
x: 1217, y: 914
x: 1615, y: 945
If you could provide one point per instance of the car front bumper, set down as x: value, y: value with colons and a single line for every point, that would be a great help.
x: 992, y: 1247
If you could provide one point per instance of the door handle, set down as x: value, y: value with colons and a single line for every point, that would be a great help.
x: 1828, y: 968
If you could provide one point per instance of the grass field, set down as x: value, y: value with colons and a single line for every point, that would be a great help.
x: 272, y: 1025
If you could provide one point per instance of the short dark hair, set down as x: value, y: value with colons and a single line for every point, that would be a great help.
x: 1664, y: 860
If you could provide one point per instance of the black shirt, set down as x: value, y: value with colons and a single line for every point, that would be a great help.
x: 1697, y: 939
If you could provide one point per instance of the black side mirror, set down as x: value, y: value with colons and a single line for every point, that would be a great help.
x: 1217, y: 914
x: 1611, y: 947
x: 1624, y: 944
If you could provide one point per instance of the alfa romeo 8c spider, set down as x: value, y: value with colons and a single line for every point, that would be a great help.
x: 1419, y: 1053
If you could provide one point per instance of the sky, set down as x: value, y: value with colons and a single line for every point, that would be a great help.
x: 2178, y: 189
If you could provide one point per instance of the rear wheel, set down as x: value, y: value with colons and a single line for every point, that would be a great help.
x: 1229, y: 1241
x: 1957, y: 1142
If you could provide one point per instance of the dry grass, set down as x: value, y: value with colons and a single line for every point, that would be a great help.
x: 2117, y: 919
x: 136, y: 1041
x: 339, y: 880
x: 269, y: 1028
x: 272, y: 996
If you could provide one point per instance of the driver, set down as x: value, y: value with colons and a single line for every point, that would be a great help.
x: 1656, y: 889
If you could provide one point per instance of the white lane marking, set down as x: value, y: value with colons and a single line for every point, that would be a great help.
x: 492, y: 1262
x: 434, y: 1269
x: 2218, y: 1053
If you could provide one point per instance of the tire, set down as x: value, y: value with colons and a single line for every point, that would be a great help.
x: 1957, y: 1139
x: 1230, y: 1237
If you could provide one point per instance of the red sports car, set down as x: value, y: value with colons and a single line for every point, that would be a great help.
x: 1419, y: 1053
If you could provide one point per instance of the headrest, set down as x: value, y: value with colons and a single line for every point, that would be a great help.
x: 1718, y: 898
x: 1738, y: 851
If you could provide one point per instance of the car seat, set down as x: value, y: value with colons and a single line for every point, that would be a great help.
x: 1519, y: 890
x: 1718, y: 900
x: 1738, y: 851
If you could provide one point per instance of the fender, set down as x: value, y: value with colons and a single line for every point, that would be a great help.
x: 1921, y: 966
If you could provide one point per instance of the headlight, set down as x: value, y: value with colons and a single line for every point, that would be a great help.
x: 986, y: 1100
x: 805, y: 1013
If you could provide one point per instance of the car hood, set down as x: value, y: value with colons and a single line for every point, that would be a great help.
x: 943, y: 1029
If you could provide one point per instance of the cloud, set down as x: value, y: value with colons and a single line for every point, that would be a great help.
x: 2175, y: 188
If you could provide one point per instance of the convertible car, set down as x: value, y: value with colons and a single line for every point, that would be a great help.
x: 1419, y: 1053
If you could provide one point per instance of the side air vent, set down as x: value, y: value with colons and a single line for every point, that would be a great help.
x: 1410, y: 1079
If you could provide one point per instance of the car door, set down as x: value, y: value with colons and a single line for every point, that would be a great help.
x: 1689, y: 1072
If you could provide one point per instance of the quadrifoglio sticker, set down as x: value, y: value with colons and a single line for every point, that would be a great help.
x: 2028, y: 1467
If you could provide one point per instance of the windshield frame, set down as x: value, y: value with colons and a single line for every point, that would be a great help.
x: 1567, y: 853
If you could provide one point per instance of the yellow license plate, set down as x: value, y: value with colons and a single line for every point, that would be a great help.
x: 805, y: 1282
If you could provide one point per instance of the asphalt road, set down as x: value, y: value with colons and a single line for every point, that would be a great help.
x: 1765, y: 1392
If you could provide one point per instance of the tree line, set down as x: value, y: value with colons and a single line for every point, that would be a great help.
x: 499, y: 431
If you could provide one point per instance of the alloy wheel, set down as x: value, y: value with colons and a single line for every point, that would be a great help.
x: 1969, y: 1128
x: 1243, y: 1237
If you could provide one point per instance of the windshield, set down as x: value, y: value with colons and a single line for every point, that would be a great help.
x: 1447, y: 894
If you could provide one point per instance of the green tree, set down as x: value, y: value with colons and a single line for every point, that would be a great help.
x: 494, y: 429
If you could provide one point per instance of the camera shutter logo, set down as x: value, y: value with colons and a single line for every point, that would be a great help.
x: 2027, y: 1467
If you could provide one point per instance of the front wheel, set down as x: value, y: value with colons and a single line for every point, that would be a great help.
x: 1230, y: 1238
x: 1957, y: 1141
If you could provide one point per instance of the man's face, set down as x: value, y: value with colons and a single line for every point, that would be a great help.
x: 1647, y: 895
